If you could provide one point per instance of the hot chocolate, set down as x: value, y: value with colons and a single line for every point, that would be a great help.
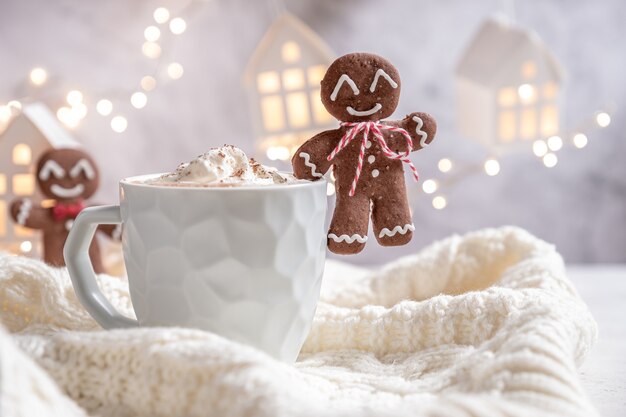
x: 226, y: 166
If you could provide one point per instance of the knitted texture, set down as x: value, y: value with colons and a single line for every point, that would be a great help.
x: 485, y: 324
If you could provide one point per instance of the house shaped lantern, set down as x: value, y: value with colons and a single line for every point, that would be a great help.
x: 33, y: 131
x: 283, y: 82
x: 508, y: 87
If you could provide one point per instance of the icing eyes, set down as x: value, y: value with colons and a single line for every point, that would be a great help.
x: 83, y: 166
x: 342, y: 79
x: 51, y: 167
x: 346, y: 79
x: 381, y: 73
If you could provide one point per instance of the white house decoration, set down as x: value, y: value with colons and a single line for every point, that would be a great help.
x: 27, y: 136
x: 283, y: 82
x: 508, y: 87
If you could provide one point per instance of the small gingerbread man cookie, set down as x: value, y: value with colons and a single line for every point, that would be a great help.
x: 68, y: 176
x: 366, y: 153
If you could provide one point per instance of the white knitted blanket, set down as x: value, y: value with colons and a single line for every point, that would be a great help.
x: 485, y: 324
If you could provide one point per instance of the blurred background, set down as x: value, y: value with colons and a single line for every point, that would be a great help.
x: 530, y: 104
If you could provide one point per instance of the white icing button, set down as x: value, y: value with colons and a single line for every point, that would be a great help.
x: 68, y: 224
x: 368, y: 144
x: 375, y: 173
x: 371, y: 159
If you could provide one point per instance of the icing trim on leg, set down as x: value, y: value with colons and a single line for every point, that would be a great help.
x: 398, y: 229
x: 308, y: 163
x: 348, y: 239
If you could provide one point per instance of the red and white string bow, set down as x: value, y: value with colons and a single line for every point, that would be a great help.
x: 376, y: 129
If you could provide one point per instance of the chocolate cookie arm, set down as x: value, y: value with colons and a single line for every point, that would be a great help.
x: 26, y: 214
x: 422, y: 128
x: 310, y: 160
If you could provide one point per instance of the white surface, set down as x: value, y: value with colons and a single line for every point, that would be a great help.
x: 603, y: 288
x: 484, y: 324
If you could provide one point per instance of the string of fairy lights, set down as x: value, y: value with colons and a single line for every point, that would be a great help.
x: 75, y: 108
x: 545, y: 149
x: 165, y: 25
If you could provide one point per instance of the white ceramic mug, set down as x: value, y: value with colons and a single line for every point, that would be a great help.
x: 244, y: 262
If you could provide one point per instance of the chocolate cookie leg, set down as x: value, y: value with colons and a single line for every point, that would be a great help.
x: 348, y: 229
x: 391, y: 218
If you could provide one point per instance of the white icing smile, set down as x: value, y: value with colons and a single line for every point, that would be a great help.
x: 63, y: 192
x: 371, y: 111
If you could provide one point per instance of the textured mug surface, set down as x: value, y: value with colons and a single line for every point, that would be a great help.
x: 243, y: 262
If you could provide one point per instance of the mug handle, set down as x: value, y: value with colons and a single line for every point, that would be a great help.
x: 76, y: 254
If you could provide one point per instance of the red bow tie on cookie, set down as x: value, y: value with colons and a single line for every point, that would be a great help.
x: 376, y: 129
x: 62, y: 211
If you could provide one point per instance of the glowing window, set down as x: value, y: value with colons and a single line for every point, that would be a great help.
x: 315, y: 75
x: 550, y: 90
x: 278, y: 153
x: 506, y: 126
x: 4, y: 218
x: 3, y: 184
x: 549, y: 121
x: 507, y: 97
x: 290, y: 52
x: 320, y: 115
x: 298, y: 109
x: 22, y: 231
x: 293, y: 79
x: 528, y: 123
x: 21, y: 154
x: 272, y: 110
x: 23, y: 184
x: 527, y: 93
x: 529, y: 70
x: 268, y: 82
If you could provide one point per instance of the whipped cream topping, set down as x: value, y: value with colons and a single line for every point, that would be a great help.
x: 224, y: 166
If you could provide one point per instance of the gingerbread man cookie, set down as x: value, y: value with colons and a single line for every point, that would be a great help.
x: 68, y: 176
x: 366, y: 153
